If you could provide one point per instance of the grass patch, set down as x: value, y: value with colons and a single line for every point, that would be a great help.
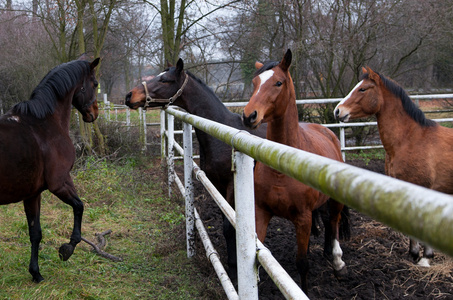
x: 366, y: 155
x: 147, y: 232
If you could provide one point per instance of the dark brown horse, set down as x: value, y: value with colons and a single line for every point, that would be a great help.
x: 418, y: 150
x: 37, y: 152
x: 274, y: 101
x: 182, y: 88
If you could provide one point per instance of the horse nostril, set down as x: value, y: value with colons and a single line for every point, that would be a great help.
x: 248, y: 121
x: 253, y: 116
x: 336, y: 113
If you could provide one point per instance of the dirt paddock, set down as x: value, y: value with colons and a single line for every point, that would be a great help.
x: 376, y: 256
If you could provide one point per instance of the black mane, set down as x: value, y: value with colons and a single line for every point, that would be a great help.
x: 267, y: 66
x: 54, y: 86
x: 409, y: 107
x: 203, y: 84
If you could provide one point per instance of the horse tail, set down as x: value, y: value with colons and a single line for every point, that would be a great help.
x: 345, y: 225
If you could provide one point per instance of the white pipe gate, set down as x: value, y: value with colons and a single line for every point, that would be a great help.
x: 418, y: 212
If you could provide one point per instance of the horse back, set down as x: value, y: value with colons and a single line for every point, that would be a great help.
x: 320, y: 140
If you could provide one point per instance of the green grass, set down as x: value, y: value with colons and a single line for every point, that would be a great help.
x: 366, y: 155
x: 127, y: 197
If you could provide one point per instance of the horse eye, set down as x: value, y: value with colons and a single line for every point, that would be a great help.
x: 82, y: 89
x: 362, y: 90
x: 279, y: 83
x: 96, y: 84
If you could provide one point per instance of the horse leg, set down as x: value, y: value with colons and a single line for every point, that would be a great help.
x: 229, y: 234
x: 303, y: 227
x: 414, y: 249
x: 262, y: 219
x: 428, y: 254
x: 339, y: 265
x: 32, y: 209
x: 68, y: 195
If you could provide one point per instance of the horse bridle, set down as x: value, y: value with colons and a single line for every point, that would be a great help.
x: 168, y: 101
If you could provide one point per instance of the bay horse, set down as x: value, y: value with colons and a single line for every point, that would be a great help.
x: 274, y: 102
x: 418, y: 150
x: 182, y: 88
x: 37, y: 152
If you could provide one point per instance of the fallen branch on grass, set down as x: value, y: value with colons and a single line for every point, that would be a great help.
x: 101, y: 244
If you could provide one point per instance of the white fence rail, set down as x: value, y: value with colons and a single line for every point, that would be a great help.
x: 421, y: 213
x: 111, y: 114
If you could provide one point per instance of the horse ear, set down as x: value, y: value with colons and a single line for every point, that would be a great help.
x: 286, y: 61
x: 94, y: 63
x: 179, y: 66
x: 258, y: 65
x: 372, y: 75
x: 364, y: 70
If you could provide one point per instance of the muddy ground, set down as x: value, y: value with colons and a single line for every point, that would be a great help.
x: 376, y: 256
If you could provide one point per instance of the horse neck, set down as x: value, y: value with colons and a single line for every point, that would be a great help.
x: 285, y: 130
x: 394, y: 124
x: 199, y: 101
x: 62, y: 114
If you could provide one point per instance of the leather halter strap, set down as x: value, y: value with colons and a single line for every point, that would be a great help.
x: 168, y: 101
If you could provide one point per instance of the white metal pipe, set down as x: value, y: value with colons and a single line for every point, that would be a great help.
x: 214, y: 257
x: 188, y: 195
x: 170, y: 151
x: 145, y: 138
x: 163, y: 140
x: 244, y: 199
x: 422, y: 213
x: 282, y: 280
x: 224, y: 206
x: 211, y: 253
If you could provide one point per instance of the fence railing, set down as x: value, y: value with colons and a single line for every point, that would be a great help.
x: 421, y: 213
x: 111, y: 114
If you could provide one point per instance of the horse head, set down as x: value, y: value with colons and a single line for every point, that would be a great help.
x: 272, y: 92
x: 363, y: 100
x: 84, y: 98
x: 160, y: 91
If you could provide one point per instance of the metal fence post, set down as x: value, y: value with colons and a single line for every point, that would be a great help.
x: 245, y: 226
x: 188, y: 185
x: 170, y: 151
x: 163, y: 143
x: 145, y: 140
x: 342, y: 142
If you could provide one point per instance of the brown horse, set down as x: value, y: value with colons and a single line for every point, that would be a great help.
x: 37, y: 152
x: 418, y: 150
x: 274, y: 101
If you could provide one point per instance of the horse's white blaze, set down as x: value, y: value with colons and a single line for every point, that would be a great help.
x: 345, y: 111
x: 263, y: 78
x: 337, y: 253
x: 161, y: 74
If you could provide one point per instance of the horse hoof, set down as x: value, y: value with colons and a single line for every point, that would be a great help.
x: 423, y: 262
x: 342, y: 273
x: 38, y: 278
x: 66, y: 251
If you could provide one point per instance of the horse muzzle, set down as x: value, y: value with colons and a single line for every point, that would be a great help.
x: 341, y: 115
x: 251, y: 120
